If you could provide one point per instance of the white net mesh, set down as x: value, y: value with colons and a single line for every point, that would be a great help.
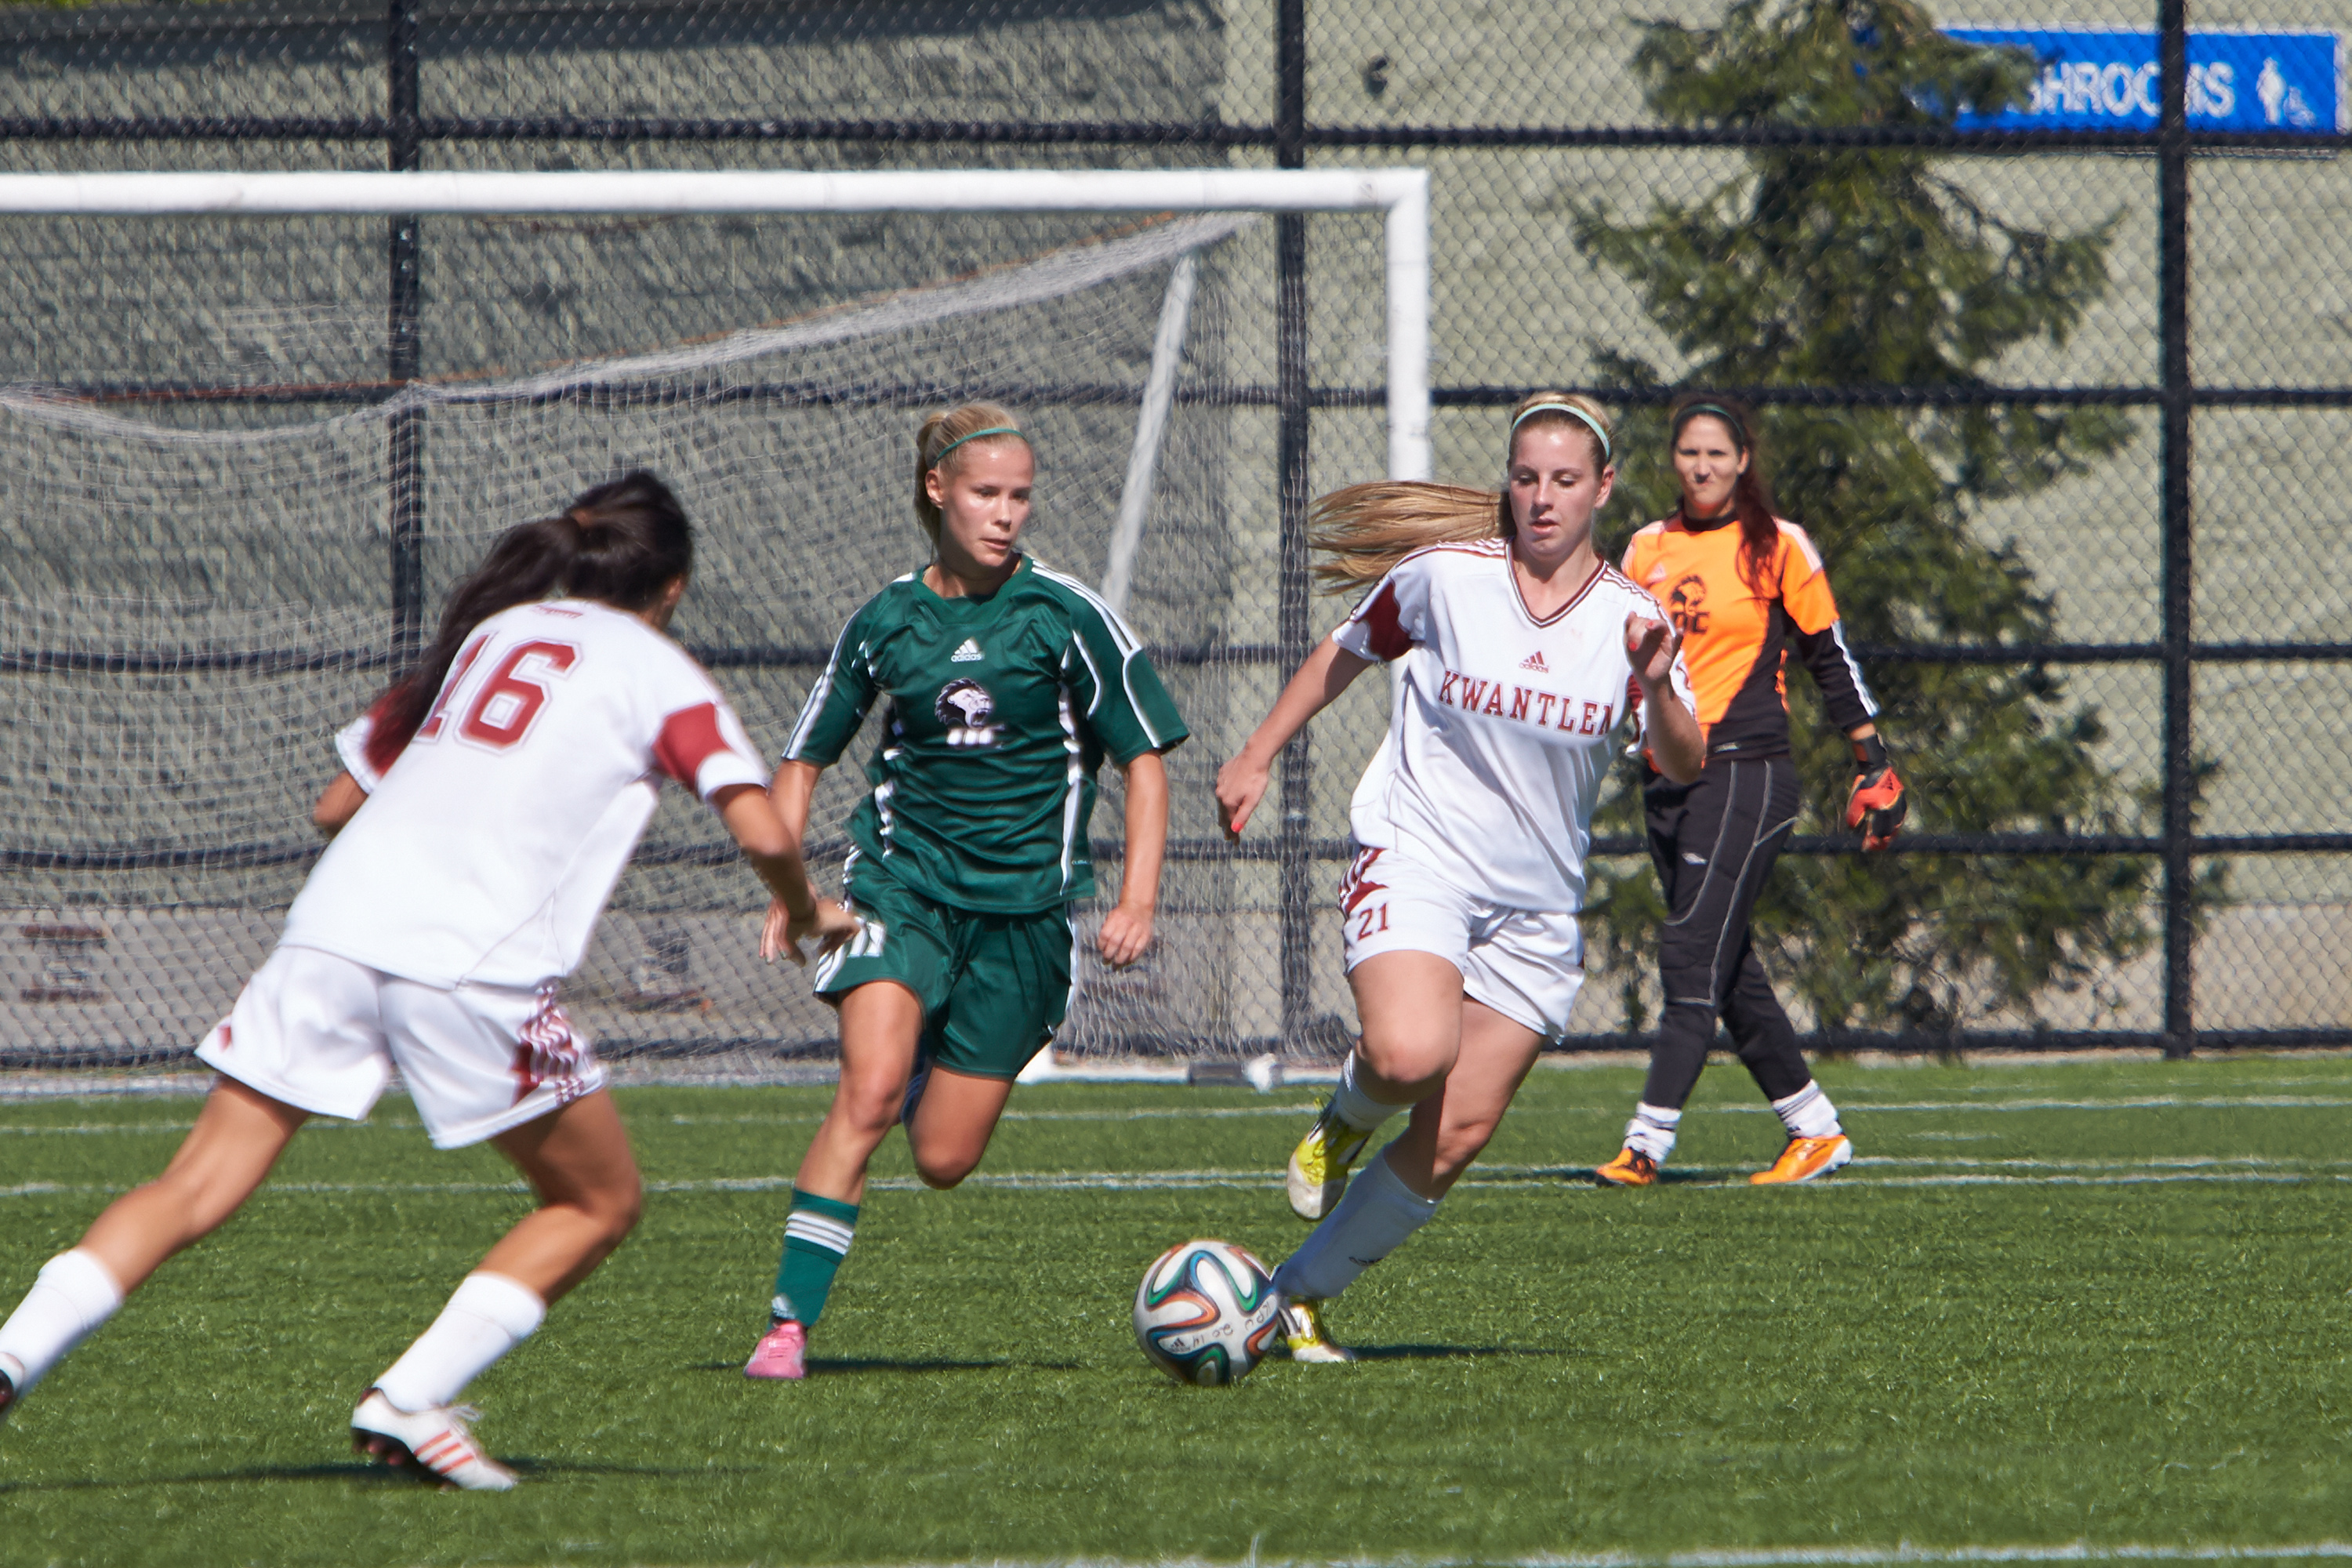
x: 196, y: 589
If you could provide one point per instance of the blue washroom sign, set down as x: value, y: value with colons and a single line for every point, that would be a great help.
x: 2106, y: 79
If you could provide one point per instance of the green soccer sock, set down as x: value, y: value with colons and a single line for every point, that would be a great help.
x: 817, y: 1233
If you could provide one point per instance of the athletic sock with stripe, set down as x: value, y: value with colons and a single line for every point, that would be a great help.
x: 817, y: 1233
x: 1651, y: 1131
x: 1807, y: 1113
x: 487, y: 1315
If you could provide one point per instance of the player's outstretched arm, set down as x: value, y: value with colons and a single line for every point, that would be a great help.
x: 1127, y: 929
x: 771, y: 842
x: 1676, y: 748
x: 1241, y: 783
x: 337, y: 803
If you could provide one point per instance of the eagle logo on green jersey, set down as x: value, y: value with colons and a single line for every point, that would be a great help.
x: 965, y: 707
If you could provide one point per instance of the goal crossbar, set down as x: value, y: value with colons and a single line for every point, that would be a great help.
x: 1400, y: 196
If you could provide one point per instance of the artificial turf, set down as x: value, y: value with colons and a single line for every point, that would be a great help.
x: 2101, y: 1302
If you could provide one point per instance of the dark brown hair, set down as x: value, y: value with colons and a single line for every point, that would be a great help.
x: 621, y: 543
x: 1751, y: 500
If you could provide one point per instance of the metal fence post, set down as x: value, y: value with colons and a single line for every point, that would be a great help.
x: 2179, y: 599
x: 1291, y: 395
x: 405, y: 462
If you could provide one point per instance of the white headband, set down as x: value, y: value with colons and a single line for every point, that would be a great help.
x: 1568, y: 408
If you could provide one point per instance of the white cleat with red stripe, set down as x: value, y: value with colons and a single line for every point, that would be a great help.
x: 437, y: 1443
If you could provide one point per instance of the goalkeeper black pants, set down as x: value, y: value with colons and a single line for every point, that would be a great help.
x: 1713, y: 842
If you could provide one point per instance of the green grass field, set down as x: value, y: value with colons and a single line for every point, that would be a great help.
x: 2101, y: 1303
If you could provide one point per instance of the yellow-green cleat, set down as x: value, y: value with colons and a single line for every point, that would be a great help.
x: 1319, y: 1166
x: 1310, y: 1342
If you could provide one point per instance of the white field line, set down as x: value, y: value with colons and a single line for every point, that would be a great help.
x: 1304, y: 1108
x: 1299, y: 1107
x: 1901, y: 1555
x: 1544, y: 1178
x: 1205, y: 1113
x: 2149, y: 1103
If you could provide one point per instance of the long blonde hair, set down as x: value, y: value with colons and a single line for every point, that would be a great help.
x: 955, y: 428
x: 1363, y: 531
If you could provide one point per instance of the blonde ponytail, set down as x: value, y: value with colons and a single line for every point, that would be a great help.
x: 944, y: 436
x: 1363, y: 531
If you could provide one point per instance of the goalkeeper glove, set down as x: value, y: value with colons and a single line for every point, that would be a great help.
x: 1877, y: 805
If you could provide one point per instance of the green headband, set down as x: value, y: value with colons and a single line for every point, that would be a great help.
x: 992, y: 430
x: 1573, y: 412
x: 1738, y: 430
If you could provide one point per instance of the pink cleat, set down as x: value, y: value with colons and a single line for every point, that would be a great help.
x: 783, y: 1354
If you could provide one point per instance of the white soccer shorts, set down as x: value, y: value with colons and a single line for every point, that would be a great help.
x: 1527, y: 964
x: 322, y: 1034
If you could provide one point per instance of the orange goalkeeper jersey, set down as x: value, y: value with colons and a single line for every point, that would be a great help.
x: 1737, y: 636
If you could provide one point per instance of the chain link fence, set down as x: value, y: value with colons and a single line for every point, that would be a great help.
x: 2069, y: 409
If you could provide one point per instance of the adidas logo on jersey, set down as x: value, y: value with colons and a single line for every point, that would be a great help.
x: 967, y: 654
x: 1535, y: 661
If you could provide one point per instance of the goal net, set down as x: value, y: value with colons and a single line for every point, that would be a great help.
x: 226, y: 526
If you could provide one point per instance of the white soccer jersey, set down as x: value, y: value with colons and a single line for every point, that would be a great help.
x: 1499, y: 735
x: 488, y: 846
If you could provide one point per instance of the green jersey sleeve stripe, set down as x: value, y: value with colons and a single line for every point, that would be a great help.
x: 1121, y: 634
x: 817, y: 694
x: 1079, y: 643
x: 1123, y: 637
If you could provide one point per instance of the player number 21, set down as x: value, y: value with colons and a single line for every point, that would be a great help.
x: 1375, y: 919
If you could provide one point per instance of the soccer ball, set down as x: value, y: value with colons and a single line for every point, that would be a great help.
x: 1206, y: 1312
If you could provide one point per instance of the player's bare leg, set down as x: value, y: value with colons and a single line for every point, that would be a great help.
x: 577, y: 1159
x: 1449, y: 1128
x: 952, y: 1125
x: 1398, y: 1193
x: 1411, y: 1007
x: 226, y: 1156
x: 236, y: 1139
x: 881, y: 1024
x: 1411, y: 1003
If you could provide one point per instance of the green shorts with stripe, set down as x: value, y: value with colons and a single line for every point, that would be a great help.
x: 994, y: 987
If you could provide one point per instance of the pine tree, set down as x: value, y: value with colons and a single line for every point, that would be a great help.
x: 1823, y: 266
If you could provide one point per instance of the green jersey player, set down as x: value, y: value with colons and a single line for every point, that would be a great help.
x: 1005, y: 685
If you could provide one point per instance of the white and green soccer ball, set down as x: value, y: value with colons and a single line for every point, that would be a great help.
x: 1206, y: 1313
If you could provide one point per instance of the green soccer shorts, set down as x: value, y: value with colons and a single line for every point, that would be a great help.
x: 994, y: 987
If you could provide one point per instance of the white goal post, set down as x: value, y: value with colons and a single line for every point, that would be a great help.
x: 1400, y: 196
x: 222, y: 475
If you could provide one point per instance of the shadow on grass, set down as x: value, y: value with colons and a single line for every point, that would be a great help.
x: 350, y: 1470
x: 835, y: 1366
x: 1583, y: 1176
x: 1443, y: 1352
x: 358, y: 1471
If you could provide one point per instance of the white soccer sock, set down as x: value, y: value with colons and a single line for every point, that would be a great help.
x: 1807, y: 1113
x: 71, y: 1295
x: 1651, y: 1131
x: 1371, y: 1221
x: 487, y: 1316
x: 1353, y: 1106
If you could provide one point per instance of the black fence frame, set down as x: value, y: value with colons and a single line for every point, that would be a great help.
x: 405, y: 129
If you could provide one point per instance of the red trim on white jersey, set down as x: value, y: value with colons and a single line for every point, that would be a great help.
x: 1500, y: 732
x: 688, y: 739
x: 1574, y: 599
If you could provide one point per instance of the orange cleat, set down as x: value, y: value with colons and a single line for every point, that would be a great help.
x: 1805, y: 1159
x: 1629, y: 1169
